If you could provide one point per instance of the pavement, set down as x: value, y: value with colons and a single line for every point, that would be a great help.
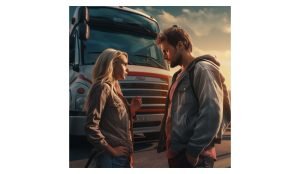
x: 145, y: 155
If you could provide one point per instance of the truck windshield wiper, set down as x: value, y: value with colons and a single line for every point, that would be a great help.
x: 150, y: 58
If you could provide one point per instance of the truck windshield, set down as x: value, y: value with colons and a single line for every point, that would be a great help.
x: 125, y: 31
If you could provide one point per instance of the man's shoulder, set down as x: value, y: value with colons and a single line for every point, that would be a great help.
x: 206, y: 62
x: 203, y: 65
x: 204, y: 68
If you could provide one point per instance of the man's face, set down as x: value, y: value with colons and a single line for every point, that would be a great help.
x: 171, y: 54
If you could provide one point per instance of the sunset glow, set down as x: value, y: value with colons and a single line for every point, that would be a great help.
x: 209, y: 28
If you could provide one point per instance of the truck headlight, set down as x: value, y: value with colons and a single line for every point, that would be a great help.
x: 79, y: 103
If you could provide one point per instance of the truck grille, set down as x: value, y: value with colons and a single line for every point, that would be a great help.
x: 153, y: 93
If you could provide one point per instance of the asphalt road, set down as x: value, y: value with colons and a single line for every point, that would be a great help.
x: 145, y: 155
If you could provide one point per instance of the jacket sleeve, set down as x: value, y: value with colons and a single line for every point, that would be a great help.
x: 208, y: 89
x: 94, y: 134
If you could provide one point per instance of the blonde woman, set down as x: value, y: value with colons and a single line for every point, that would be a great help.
x: 109, y: 117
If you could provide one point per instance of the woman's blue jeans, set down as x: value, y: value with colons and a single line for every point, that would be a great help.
x: 105, y: 160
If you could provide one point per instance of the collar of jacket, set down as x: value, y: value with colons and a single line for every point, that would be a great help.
x: 207, y: 58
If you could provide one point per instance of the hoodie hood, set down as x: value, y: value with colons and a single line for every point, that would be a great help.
x: 207, y: 58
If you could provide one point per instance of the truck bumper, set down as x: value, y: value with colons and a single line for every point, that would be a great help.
x: 77, y: 124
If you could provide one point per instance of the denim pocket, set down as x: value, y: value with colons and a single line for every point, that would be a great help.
x: 104, y: 160
x: 120, y: 162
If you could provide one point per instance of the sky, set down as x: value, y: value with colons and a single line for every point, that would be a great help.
x: 208, y: 26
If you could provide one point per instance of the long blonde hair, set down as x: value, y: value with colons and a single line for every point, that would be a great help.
x: 103, y: 73
x: 103, y: 68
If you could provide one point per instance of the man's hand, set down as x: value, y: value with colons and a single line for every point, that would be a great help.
x: 192, y: 160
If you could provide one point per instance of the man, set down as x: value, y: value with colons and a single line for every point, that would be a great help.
x: 194, y: 107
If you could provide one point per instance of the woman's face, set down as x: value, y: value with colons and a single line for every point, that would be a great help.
x: 120, y: 68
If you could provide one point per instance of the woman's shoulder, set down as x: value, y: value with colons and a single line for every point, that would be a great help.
x: 105, y: 87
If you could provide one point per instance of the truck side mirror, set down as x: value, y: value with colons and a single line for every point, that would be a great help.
x: 76, y: 68
x: 83, y: 20
x: 84, y: 31
x: 83, y: 14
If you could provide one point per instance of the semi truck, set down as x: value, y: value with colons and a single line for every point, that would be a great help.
x: 92, y: 30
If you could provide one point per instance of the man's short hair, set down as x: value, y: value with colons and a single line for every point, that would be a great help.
x: 173, y: 35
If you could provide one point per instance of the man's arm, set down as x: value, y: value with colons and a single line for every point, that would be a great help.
x: 209, y: 92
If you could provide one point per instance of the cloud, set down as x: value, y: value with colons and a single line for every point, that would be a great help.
x: 148, y: 8
x: 185, y: 10
x: 166, y: 19
x: 201, y: 22
x: 142, y: 10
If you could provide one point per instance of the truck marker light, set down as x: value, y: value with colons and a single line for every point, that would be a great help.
x: 80, y: 91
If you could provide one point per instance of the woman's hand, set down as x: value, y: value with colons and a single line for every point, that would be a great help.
x: 119, y: 151
x: 136, y: 104
x: 131, y: 160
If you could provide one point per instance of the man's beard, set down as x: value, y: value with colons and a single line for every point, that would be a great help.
x: 176, y: 60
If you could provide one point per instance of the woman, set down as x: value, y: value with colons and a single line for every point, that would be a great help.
x: 109, y: 117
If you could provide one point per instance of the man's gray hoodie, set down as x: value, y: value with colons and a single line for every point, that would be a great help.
x: 195, y: 120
